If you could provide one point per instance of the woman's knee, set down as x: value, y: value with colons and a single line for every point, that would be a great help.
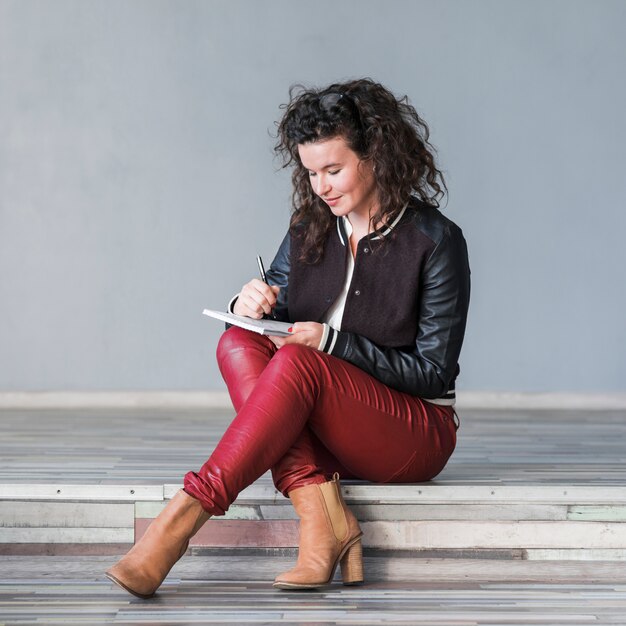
x: 230, y: 339
x: 303, y: 361
x: 236, y: 338
x: 295, y: 352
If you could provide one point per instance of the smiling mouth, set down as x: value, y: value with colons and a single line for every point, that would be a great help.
x: 331, y: 199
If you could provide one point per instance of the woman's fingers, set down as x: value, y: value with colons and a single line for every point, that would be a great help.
x: 256, y: 299
x: 305, y: 333
x: 264, y: 289
x: 279, y: 342
x: 248, y: 307
x: 258, y: 303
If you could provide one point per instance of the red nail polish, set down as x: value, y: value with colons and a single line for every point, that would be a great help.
x: 290, y: 329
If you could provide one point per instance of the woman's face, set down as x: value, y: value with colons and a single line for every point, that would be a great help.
x: 339, y: 177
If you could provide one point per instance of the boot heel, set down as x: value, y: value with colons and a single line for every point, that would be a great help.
x: 352, y: 565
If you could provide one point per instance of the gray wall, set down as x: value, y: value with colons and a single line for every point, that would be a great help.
x: 137, y: 181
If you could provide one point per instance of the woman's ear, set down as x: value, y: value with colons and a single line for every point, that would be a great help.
x: 367, y: 167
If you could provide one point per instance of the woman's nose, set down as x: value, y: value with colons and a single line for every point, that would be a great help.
x: 323, y: 186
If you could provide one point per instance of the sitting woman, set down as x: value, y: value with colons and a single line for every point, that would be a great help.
x: 375, y: 281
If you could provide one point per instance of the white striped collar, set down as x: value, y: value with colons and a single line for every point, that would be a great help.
x: 344, y: 228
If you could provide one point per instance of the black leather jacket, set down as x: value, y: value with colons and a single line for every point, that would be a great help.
x: 406, y: 309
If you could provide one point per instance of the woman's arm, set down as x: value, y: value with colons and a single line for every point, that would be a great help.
x: 257, y: 299
x: 278, y: 276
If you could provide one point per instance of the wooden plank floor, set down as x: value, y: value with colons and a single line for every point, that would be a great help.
x: 159, y: 447
x: 534, y: 449
x: 51, y: 590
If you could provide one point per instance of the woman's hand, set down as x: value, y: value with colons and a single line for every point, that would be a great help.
x: 256, y: 299
x: 304, y: 333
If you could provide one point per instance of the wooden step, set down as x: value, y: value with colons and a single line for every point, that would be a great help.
x: 530, y: 522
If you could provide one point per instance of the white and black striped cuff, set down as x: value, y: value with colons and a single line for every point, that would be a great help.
x: 328, y: 340
x: 231, y: 304
x: 449, y: 399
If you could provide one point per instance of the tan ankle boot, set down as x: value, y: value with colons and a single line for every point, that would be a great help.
x: 143, y: 569
x: 329, y: 534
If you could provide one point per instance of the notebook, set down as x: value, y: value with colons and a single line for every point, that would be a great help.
x: 264, y: 327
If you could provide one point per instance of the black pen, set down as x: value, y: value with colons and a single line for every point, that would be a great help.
x: 259, y: 261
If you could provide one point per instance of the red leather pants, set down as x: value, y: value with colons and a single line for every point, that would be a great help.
x: 305, y: 414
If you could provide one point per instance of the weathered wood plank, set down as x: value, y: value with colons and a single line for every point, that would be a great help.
x: 259, y: 492
x: 471, y: 512
x: 482, y: 494
x: 380, y: 569
x: 149, y: 510
x: 66, y: 514
x: 423, y: 535
x: 400, y: 512
x: 575, y: 555
x: 206, y: 571
x: 607, y: 513
x: 239, y: 533
x: 64, y: 549
x: 80, y: 492
x: 463, y: 534
x: 432, y: 493
x: 152, y: 509
x: 278, y: 533
x: 279, y: 511
x: 66, y: 535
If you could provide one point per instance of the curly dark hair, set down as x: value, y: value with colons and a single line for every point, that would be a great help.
x: 378, y: 127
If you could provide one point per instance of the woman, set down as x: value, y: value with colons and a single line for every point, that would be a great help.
x: 376, y: 282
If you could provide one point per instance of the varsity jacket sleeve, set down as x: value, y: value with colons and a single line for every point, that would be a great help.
x: 427, y: 369
x: 278, y: 275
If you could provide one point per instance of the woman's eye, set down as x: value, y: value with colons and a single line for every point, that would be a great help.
x: 334, y: 172
x: 311, y: 174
